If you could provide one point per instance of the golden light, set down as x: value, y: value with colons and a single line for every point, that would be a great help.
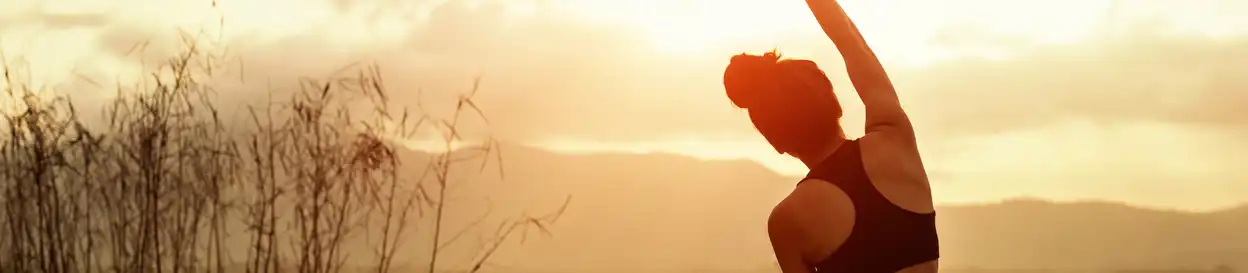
x: 901, y: 30
x: 690, y: 29
x: 692, y: 25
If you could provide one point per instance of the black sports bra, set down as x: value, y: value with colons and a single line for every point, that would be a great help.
x: 885, y: 238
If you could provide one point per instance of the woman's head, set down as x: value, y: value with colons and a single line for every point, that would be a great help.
x: 790, y: 101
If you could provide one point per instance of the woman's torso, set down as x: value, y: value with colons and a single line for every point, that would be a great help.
x: 883, y: 218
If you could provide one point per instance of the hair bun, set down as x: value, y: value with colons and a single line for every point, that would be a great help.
x: 750, y: 78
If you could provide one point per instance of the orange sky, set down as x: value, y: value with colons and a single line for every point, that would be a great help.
x: 1130, y: 100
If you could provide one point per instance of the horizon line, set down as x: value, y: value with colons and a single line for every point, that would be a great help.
x: 995, y: 201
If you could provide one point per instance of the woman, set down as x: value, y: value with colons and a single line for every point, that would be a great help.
x: 865, y: 206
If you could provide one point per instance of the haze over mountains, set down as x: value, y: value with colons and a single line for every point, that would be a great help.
x: 668, y: 213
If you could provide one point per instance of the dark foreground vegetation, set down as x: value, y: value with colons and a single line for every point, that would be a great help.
x: 159, y: 182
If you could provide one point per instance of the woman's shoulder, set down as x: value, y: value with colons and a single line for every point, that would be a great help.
x: 892, y: 158
x: 817, y: 215
x: 896, y: 170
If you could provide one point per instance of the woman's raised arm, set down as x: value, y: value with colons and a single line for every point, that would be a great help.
x: 883, y: 109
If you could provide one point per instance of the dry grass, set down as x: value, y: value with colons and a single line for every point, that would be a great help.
x: 166, y: 186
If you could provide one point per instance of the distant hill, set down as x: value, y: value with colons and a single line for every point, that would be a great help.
x: 659, y: 212
x: 1033, y: 233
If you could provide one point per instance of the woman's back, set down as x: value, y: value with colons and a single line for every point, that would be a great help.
x: 862, y: 215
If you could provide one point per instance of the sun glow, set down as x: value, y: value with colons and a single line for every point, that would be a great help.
x: 907, y: 31
x: 691, y: 29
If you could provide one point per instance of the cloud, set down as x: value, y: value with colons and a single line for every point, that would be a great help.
x: 550, y: 74
x: 1164, y: 79
x: 52, y: 20
x: 553, y: 74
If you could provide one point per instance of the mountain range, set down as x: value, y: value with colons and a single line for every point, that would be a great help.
x: 671, y: 213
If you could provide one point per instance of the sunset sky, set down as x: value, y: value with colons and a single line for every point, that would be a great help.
x: 1129, y: 100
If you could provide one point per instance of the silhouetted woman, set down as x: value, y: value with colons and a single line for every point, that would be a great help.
x: 865, y: 206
